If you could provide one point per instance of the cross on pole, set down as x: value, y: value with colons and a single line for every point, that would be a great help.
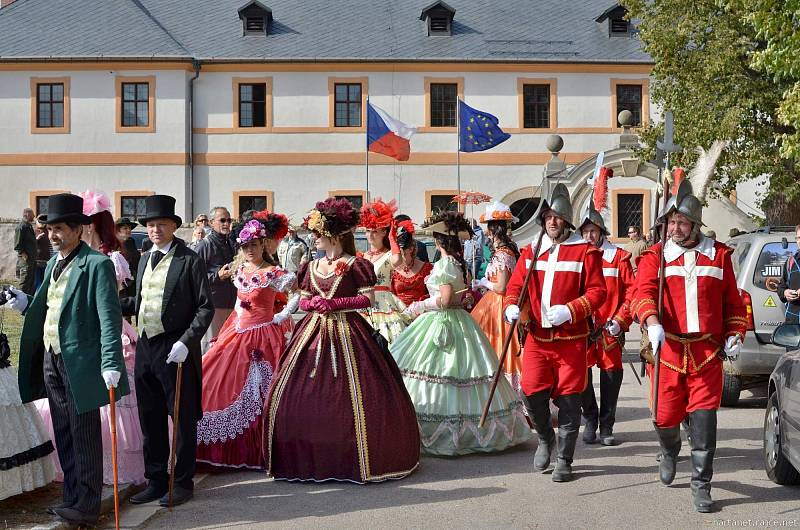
x: 668, y: 145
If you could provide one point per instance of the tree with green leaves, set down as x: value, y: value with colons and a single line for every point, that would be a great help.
x: 727, y: 70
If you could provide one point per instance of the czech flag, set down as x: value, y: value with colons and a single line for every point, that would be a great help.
x: 386, y: 135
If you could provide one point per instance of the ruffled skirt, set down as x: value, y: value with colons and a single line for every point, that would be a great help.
x: 386, y: 316
x: 448, y: 365
x: 488, y: 314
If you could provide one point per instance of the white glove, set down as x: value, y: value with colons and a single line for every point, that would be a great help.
x: 483, y: 283
x: 558, y: 314
x: 421, y: 306
x: 178, y: 353
x: 655, y: 333
x: 613, y: 328
x: 512, y: 313
x: 732, y: 347
x: 279, y: 318
x: 19, y: 300
x: 111, y: 377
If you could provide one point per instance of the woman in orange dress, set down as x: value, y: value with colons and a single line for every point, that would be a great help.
x: 488, y: 313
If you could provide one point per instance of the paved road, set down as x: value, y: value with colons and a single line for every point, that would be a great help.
x: 615, y: 486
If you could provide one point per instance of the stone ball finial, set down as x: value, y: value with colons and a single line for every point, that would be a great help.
x: 625, y: 118
x: 554, y: 143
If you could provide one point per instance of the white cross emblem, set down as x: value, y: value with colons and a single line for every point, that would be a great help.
x: 550, y: 267
x: 690, y: 272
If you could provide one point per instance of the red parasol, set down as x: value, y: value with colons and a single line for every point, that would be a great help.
x: 471, y: 197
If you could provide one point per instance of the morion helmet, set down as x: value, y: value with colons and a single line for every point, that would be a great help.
x: 598, y: 201
x: 559, y: 203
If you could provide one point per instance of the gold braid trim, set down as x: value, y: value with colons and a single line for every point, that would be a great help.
x: 356, y: 399
x: 572, y: 313
x: 687, y: 353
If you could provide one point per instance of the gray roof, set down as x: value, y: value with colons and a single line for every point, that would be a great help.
x: 313, y: 30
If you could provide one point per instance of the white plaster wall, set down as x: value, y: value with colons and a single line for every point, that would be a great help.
x: 92, y: 114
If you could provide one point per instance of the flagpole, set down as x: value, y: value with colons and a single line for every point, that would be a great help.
x: 366, y: 147
x: 458, y: 145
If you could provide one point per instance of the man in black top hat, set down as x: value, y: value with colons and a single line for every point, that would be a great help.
x: 71, y: 353
x: 174, y: 308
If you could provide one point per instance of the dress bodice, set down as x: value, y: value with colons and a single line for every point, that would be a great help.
x: 383, y: 270
x: 411, y: 288
x: 445, y: 271
x: 255, y: 293
x: 350, y: 278
x: 503, y: 258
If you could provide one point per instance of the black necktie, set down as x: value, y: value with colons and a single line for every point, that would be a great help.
x: 59, y: 268
x: 155, y: 258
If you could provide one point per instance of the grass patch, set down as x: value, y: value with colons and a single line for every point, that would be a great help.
x: 12, y: 327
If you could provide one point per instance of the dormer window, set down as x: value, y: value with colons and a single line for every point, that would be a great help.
x: 618, y: 26
x: 438, y: 18
x: 256, y: 18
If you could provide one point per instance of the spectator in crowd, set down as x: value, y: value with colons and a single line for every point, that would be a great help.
x: 789, y: 287
x: 292, y: 251
x: 473, y: 249
x: 636, y: 246
x: 43, y: 252
x: 217, y: 251
x: 129, y: 250
x: 25, y: 245
x: 201, y: 229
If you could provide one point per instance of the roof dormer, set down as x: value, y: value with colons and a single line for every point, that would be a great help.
x: 618, y: 25
x: 256, y: 18
x: 438, y: 18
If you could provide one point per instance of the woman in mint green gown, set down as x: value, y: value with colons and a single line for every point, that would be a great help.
x: 447, y: 362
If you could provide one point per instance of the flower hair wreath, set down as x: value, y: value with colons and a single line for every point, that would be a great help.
x: 252, y: 230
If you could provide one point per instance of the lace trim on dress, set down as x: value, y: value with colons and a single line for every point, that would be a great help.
x: 277, y: 279
x: 230, y: 422
x: 251, y: 328
x: 454, y: 381
x: 500, y: 260
x: 513, y: 408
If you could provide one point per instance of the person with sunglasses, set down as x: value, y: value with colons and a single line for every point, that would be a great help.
x: 217, y: 251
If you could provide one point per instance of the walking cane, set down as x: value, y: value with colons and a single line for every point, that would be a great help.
x: 112, y: 407
x: 176, y: 407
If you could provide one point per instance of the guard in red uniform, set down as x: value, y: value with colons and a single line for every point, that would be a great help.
x: 610, y: 321
x: 704, y: 320
x: 565, y: 289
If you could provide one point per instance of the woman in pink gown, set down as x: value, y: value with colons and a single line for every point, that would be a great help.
x: 238, y: 368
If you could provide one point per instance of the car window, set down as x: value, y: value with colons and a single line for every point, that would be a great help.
x: 770, y: 264
x: 740, y: 251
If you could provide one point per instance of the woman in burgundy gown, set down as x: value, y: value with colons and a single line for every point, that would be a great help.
x: 238, y: 368
x: 338, y: 409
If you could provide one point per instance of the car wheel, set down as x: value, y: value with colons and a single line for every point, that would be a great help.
x: 778, y: 468
x: 731, y: 388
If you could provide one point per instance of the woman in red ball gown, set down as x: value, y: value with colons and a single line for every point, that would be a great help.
x: 238, y: 368
x: 338, y: 409
x: 408, y: 279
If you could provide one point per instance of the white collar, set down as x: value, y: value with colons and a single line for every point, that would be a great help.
x: 547, y: 243
x: 609, y: 250
x: 705, y: 246
x: 165, y: 248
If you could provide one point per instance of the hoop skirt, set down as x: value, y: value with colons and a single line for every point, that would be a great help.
x: 448, y: 365
x: 488, y: 314
x: 238, y: 370
x: 25, y: 446
x: 386, y: 315
x: 338, y: 409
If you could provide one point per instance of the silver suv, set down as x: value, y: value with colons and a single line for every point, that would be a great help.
x: 758, y: 261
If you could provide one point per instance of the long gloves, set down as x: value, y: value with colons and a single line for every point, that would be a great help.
x: 323, y: 305
x: 655, y: 332
x: 19, y: 300
x: 291, y: 307
x: 178, y: 353
x: 393, y: 244
x: 732, y: 347
x: 421, y: 306
x: 111, y: 377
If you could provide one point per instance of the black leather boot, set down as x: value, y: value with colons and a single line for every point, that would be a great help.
x: 703, y: 441
x: 590, y: 414
x: 538, y: 406
x: 610, y: 383
x: 569, y: 422
x: 670, y: 440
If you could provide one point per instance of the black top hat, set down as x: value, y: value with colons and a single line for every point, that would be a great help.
x: 64, y: 207
x: 159, y: 207
x: 125, y: 221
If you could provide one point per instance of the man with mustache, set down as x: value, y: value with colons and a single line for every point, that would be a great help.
x: 704, y: 320
x: 566, y: 287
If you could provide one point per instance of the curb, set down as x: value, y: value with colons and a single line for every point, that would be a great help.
x: 106, y: 506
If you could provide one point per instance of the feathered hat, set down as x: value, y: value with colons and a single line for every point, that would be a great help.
x: 378, y: 214
x: 497, y: 211
x: 94, y: 202
x: 449, y: 223
x: 332, y: 217
x: 264, y: 224
x: 598, y: 202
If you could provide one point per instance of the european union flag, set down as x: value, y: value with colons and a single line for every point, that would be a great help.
x: 478, y: 130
